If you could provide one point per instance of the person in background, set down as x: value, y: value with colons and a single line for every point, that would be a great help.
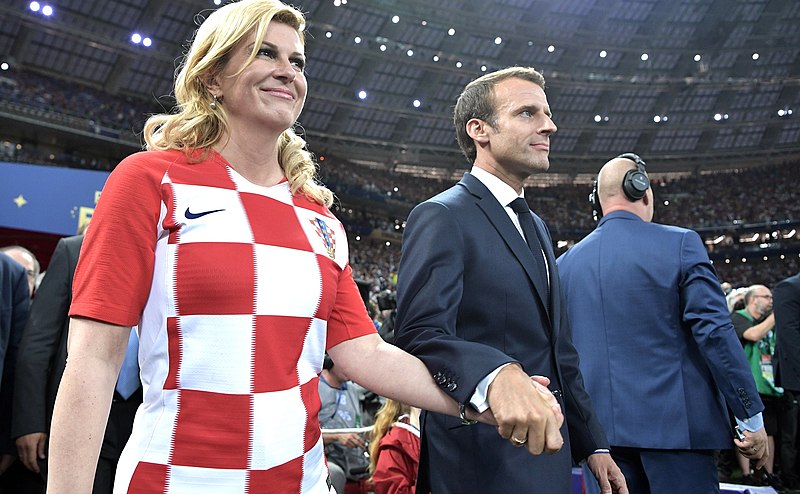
x: 394, y: 449
x: 28, y: 261
x: 341, y: 408
x: 755, y: 326
x: 42, y: 357
x: 479, y: 301
x: 657, y: 349
x: 14, y: 306
x: 237, y: 275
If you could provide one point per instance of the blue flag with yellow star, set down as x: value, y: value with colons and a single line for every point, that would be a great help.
x: 47, y: 199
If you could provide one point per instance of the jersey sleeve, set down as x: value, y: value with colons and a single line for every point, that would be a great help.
x: 349, y: 318
x: 115, y: 267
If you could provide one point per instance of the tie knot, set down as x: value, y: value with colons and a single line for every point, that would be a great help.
x: 520, y: 206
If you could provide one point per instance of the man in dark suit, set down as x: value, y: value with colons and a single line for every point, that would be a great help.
x: 656, y: 344
x: 42, y: 357
x: 14, y: 305
x: 786, y: 307
x: 483, y: 309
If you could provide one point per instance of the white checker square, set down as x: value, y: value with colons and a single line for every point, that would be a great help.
x: 307, y: 218
x: 288, y: 282
x: 279, y: 425
x: 279, y: 192
x: 156, y: 425
x: 197, y: 480
x: 216, y: 353
x: 310, y: 363
x: 314, y: 472
x: 210, y: 214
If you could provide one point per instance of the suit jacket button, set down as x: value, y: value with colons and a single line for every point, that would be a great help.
x: 439, y: 378
x: 451, y: 386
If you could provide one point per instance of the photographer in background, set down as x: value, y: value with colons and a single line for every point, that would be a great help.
x: 754, y: 324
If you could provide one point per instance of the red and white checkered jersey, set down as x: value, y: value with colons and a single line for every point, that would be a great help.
x: 238, y: 290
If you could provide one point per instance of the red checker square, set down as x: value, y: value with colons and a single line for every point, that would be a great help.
x: 279, y: 344
x: 349, y: 308
x: 215, y: 278
x: 305, y: 203
x: 174, y: 348
x: 213, y: 430
x: 148, y: 478
x: 310, y: 395
x: 274, y: 222
x: 208, y: 174
x: 283, y: 478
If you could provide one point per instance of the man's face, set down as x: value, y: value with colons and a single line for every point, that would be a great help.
x: 761, y: 301
x: 28, y: 263
x: 519, y: 140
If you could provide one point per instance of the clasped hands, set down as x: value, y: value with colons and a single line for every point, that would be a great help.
x: 526, y: 412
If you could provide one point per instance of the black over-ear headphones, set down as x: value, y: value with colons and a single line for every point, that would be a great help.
x: 634, y: 184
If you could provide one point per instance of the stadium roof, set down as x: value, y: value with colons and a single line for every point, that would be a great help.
x: 685, y: 83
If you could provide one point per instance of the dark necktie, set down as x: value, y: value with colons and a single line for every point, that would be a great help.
x: 526, y: 222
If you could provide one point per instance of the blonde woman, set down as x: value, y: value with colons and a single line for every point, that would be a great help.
x: 394, y: 449
x: 218, y: 243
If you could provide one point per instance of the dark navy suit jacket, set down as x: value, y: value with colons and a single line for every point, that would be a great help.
x: 658, y: 351
x: 14, y: 305
x: 467, y: 303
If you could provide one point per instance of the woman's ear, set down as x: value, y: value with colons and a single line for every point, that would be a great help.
x: 210, y: 82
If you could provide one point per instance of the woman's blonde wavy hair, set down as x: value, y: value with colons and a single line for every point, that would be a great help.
x: 194, y: 125
x: 386, y: 416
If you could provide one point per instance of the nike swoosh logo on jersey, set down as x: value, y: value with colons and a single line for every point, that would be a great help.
x: 193, y: 216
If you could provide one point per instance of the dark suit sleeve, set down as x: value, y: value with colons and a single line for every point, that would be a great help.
x: 705, y: 313
x: 429, y: 292
x: 787, y: 331
x: 40, y: 344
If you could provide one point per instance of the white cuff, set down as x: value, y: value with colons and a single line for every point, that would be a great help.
x: 480, y: 398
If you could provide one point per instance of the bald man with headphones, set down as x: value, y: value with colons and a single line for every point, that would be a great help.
x: 659, y: 355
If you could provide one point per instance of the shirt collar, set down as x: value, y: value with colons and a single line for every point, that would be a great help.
x: 501, y: 191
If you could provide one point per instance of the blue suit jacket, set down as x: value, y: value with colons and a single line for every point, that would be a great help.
x: 467, y: 303
x: 658, y: 351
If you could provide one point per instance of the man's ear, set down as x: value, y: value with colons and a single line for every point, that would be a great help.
x: 477, y: 130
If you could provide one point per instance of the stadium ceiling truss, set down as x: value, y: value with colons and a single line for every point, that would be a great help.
x: 623, y: 75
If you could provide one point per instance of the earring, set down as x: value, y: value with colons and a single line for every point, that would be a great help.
x: 214, y: 102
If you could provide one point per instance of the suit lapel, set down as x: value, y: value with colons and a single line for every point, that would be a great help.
x: 509, y: 233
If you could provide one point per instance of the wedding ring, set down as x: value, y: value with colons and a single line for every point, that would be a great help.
x: 518, y: 442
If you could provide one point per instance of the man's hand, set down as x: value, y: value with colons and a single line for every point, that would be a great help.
x: 607, y: 473
x: 541, y: 383
x: 30, y: 447
x: 349, y: 440
x: 754, y: 447
x: 524, y: 413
